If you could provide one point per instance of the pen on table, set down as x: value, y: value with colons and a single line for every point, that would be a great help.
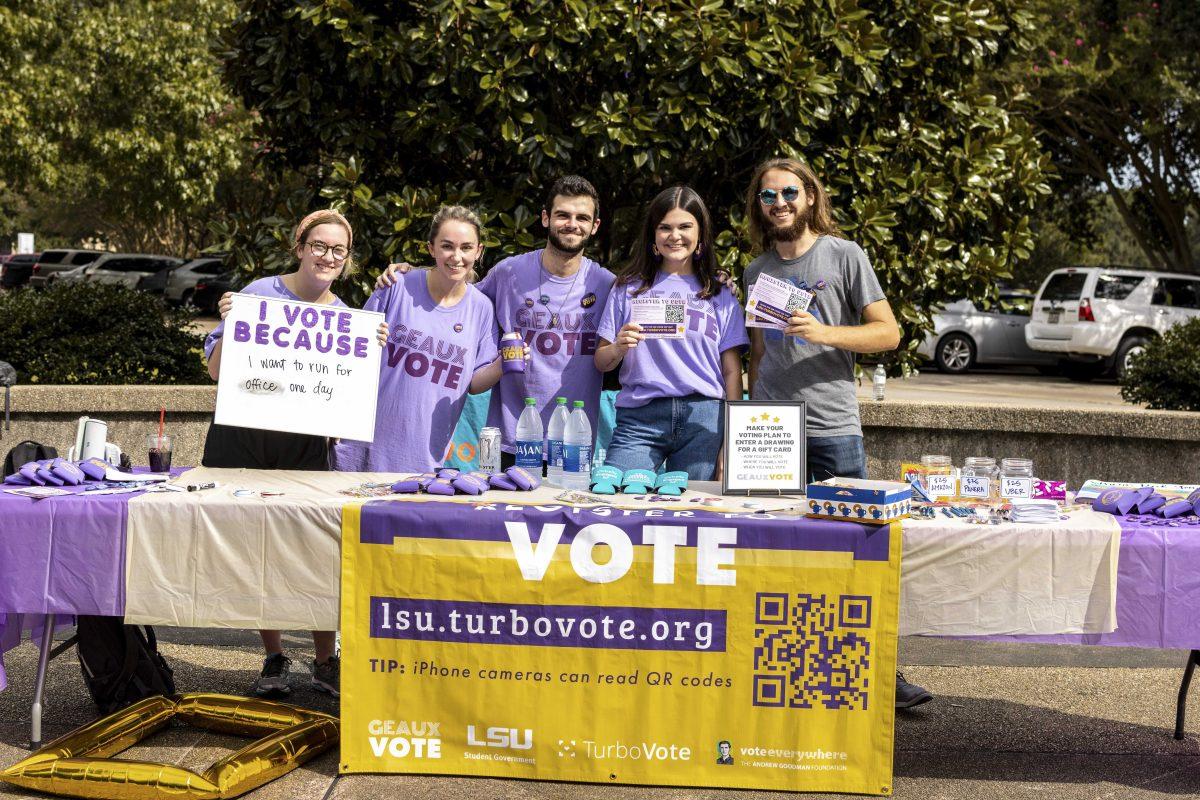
x: 195, y: 487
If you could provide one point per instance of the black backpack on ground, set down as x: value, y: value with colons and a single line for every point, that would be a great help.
x: 25, y: 452
x: 120, y: 665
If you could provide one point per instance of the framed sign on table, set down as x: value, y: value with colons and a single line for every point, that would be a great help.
x: 765, y: 448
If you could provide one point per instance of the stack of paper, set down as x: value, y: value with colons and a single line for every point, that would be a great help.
x: 1035, y: 511
x: 772, y: 303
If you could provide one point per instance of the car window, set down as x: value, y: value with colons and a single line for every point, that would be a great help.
x: 1116, y: 287
x: 1015, y: 303
x: 211, y: 268
x: 53, y: 257
x: 1064, y: 286
x: 134, y: 265
x: 84, y: 258
x: 1177, y: 293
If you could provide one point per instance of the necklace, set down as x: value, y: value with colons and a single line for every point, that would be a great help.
x: 544, y: 298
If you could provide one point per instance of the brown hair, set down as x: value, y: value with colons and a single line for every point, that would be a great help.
x: 821, y: 223
x: 325, y: 216
x: 459, y: 214
x: 644, y: 265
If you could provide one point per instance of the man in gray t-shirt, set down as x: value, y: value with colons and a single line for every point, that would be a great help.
x: 813, y: 359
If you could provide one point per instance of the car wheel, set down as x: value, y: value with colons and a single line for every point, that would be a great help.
x: 1082, y: 371
x: 955, y: 354
x: 186, y: 299
x: 1130, y: 347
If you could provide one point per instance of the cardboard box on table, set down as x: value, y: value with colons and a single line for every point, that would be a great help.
x: 859, y: 500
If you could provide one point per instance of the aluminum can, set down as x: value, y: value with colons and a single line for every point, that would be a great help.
x: 489, y: 449
x: 512, y: 350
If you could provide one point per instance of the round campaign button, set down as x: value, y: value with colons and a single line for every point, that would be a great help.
x: 529, y: 302
x: 588, y: 300
x: 458, y: 327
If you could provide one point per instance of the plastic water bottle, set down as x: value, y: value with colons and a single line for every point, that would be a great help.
x: 577, y: 450
x: 554, y: 441
x: 878, y: 381
x: 529, y: 438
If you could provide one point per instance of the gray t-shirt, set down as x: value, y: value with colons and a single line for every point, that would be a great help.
x: 838, y: 273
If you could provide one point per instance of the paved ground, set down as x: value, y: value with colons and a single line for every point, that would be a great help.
x: 1015, y: 386
x: 1009, y: 721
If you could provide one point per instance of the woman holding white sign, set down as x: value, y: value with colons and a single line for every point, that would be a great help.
x: 321, y: 244
x: 678, y: 335
x: 443, y: 345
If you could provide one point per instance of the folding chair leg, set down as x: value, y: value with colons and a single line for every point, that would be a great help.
x: 39, y: 685
x: 1181, y: 706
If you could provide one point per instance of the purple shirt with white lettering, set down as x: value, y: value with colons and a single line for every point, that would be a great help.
x: 431, y: 356
x: 560, y: 332
x: 676, y: 367
x: 263, y: 287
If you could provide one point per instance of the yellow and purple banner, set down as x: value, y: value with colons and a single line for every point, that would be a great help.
x: 660, y: 646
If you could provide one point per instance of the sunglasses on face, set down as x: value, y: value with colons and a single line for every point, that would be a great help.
x: 768, y: 196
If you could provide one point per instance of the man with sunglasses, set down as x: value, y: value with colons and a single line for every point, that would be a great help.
x: 812, y: 359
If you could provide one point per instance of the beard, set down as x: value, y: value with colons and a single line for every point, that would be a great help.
x: 569, y: 250
x: 789, y: 233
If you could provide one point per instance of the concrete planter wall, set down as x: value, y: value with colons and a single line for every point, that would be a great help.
x: 1133, y: 444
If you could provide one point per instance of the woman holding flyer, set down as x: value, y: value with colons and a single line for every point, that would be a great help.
x: 321, y: 244
x: 678, y: 336
x: 443, y: 344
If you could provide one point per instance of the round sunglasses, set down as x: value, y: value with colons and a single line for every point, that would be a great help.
x: 768, y: 196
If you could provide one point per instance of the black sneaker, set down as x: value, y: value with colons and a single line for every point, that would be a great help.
x: 273, y: 680
x: 909, y: 694
x: 327, y: 677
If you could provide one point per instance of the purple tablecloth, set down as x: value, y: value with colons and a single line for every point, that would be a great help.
x: 1158, y: 588
x: 60, y: 555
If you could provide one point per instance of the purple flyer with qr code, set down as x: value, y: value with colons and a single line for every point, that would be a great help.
x: 671, y: 645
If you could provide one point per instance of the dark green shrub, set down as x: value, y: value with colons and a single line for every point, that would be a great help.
x: 90, y: 333
x: 1167, y: 374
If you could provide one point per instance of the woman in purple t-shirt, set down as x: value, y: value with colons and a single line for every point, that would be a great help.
x: 669, y: 406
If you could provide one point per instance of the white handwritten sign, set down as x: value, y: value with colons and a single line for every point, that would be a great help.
x: 1016, y: 488
x: 299, y: 367
x: 976, y: 486
x: 941, y: 486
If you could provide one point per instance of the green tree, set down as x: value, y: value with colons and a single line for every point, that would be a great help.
x: 388, y: 108
x: 1115, y: 91
x: 114, y: 121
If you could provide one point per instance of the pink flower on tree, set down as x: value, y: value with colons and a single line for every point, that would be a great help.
x: 1079, y: 42
x: 1066, y: 62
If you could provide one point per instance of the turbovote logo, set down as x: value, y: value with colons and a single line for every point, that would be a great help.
x: 305, y: 328
x: 424, y: 356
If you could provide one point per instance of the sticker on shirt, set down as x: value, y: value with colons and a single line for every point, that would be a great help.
x: 774, y: 301
x: 660, y: 317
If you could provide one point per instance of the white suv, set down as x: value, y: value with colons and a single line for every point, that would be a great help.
x: 1099, y: 317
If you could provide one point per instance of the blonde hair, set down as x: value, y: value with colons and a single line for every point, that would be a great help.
x: 325, y: 216
x: 458, y: 214
x: 821, y: 223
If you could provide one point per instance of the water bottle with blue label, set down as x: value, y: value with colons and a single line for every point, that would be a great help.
x: 529, y: 438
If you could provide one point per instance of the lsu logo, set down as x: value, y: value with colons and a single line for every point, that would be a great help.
x: 504, y: 738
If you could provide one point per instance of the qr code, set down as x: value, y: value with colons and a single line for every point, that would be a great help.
x: 674, y: 313
x: 797, y: 301
x: 811, y: 650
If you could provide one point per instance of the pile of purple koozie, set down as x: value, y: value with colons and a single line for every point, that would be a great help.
x: 1146, y: 501
x: 452, y: 481
x: 57, y: 472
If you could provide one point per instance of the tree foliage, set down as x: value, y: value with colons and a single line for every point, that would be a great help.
x: 1115, y: 91
x: 114, y: 122
x: 390, y: 108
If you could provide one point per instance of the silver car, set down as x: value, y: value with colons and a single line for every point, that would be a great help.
x: 964, y: 336
x: 125, y: 269
x: 56, y: 262
x: 181, y: 283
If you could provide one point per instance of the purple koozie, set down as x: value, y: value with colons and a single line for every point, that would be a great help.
x: 49, y: 477
x: 17, y: 479
x: 512, y: 352
x: 499, y: 480
x: 440, y: 486
x: 1175, y: 508
x: 94, y: 468
x: 70, y: 474
x: 407, y: 486
x: 1116, y: 501
x: 523, y: 478
x: 1150, y: 503
x: 449, y: 473
x: 30, y: 473
x: 1194, y: 499
x: 469, y: 484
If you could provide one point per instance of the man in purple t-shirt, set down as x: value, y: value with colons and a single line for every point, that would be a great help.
x: 553, y: 297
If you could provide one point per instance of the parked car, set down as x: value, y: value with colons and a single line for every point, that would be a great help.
x: 1101, y: 317
x: 181, y: 282
x: 965, y: 336
x: 209, y: 291
x: 18, y: 269
x: 125, y: 269
x: 53, y: 262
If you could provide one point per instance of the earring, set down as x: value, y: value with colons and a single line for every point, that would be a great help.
x: 698, y: 252
x: 657, y: 256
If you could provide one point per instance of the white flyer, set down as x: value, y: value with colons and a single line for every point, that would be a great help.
x: 774, y: 301
x: 660, y: 317
x: 753, y: 321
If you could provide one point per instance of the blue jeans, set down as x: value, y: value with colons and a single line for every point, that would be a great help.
x: 682, y: 432
x: 836, y: 456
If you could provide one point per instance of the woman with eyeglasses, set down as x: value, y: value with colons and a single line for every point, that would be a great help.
x: 321, y: 244
x: 669, y: 406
